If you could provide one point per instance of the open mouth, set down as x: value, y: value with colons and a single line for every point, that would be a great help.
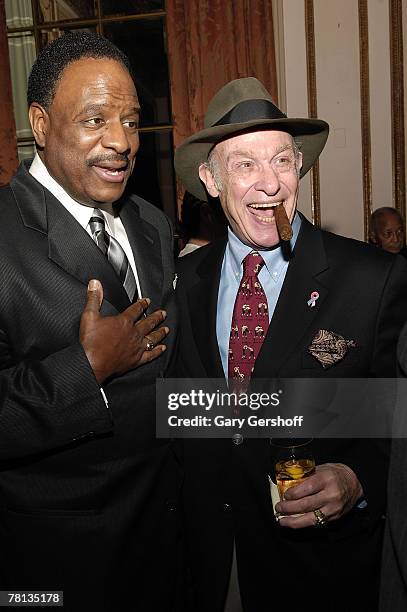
x: 112, y: 173
x: 263, y: 211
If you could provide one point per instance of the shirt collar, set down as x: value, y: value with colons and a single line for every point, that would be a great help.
x: 273, y: 258
x: 81, y: 212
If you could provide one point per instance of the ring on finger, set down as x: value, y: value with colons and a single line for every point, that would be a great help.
x: 320, y: 518
x: 150, y: 344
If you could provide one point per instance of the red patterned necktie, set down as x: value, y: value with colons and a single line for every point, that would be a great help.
x: 250, y: 323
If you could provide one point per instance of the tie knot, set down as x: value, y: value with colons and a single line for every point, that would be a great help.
x: 97, y: 219
x: 252, y: 264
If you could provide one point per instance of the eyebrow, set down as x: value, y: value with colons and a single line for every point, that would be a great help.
x: 248, y: 153
x: 287, y: 147
x: 92, y: 109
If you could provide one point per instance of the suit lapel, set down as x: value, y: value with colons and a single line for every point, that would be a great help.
x: 203, y: 299
x: 69, y: 245
x: 73, y: 250
x: 293, y: 316
x: 30, y: 199
x: 146, y: 245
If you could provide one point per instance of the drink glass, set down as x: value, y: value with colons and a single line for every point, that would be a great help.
x: 293, y: 462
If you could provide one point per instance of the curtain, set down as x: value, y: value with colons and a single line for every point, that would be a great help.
x: 211, y: 42
x: 8, y: 147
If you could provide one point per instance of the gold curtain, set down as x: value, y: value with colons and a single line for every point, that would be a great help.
x: 211, y: 42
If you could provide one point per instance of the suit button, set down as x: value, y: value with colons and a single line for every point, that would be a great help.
x: 171, y: 507
x: 237, y: 438
x: 226, y: 507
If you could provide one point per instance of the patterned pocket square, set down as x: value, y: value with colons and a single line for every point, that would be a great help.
x: 329, y: 348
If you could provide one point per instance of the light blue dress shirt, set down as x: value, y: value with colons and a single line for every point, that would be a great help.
x: 271, y: 276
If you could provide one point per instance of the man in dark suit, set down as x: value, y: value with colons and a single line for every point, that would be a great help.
x: 87, y: 492
x: 321, y: 291
x: 393, y: 592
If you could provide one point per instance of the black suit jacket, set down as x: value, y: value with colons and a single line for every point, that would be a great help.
x: 393, y: 596
x: 363, y: 297
x: 87, y: 493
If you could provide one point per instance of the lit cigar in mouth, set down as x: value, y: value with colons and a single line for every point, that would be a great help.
x: 283, y: 225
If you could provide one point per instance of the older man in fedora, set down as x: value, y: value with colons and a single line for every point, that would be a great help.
x: 313, y: 287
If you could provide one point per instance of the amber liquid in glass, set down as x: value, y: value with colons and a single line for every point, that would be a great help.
x: 292, y: 472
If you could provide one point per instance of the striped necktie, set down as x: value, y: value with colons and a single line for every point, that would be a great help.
x: 115, y: 254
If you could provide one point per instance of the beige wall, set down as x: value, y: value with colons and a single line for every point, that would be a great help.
x: 336, y: 25
x: 295, y: 87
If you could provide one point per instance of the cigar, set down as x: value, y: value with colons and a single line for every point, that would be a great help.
x: 283, y: 225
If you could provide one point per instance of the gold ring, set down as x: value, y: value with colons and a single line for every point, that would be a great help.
x: 320, y: 518
x: 150, y: 345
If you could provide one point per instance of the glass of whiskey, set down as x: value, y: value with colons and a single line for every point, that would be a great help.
x: 293, y: 462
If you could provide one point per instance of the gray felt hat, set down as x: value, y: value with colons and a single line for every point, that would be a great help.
x: 244, y: 105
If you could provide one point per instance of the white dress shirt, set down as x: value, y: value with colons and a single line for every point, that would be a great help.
x: 190, y: 247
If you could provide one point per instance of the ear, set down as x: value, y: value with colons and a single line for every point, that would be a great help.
x: 39, y: 120
x: 300, y: 160
x: 206, y: 177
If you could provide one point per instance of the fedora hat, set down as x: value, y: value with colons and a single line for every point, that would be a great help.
x: 244, y: 105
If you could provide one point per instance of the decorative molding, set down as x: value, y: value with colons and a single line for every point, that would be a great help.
x: 312, y: 104
x: 278, y: 23
x: 397, y: 105
x: 365, y: 114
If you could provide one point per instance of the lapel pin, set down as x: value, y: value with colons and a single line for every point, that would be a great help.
x: 313, y: 298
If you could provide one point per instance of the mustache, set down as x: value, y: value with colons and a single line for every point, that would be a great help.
x: 108, y: 157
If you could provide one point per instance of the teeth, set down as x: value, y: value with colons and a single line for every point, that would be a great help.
x: 266, y: 219
x: 264, y: 205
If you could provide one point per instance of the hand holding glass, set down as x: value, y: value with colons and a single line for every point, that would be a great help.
x: 293, y: 463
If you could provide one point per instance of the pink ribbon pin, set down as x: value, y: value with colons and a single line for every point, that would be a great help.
x: 313, y: 298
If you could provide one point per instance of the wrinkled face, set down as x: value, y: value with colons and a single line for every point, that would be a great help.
x: 89, y: 135
x: 389, y: 234
x: 252, y: 173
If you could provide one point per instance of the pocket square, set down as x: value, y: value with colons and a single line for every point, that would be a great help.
x: 329, y: 348
x: 174, y: 282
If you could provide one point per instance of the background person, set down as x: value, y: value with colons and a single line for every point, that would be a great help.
x: 387, y: 230
x: 201, y: 222
x: 393, y: 593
